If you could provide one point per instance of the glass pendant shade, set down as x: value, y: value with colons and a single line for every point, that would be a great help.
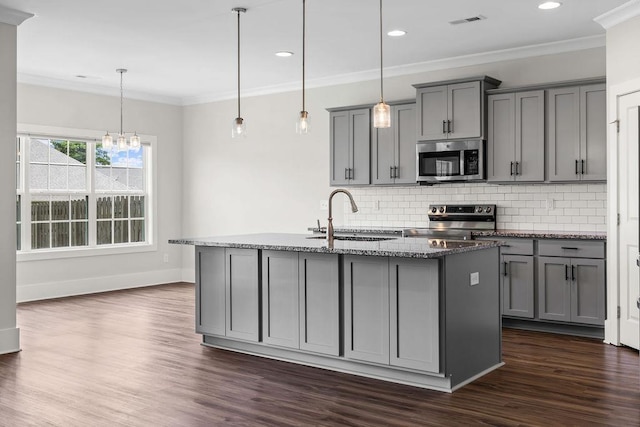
x: 381, y: 115
x: 134, y: 141
x: 107, y: 141
x: 122, y: 142
x: 239, y: 129
x: 303, y: 126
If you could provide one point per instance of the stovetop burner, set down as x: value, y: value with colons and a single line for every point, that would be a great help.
x: 455, y: 222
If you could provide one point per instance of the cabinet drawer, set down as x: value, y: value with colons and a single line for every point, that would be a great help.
x: 571, y: 248
x: 516, y: 246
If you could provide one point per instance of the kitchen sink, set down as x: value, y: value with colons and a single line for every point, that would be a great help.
x: 355, y: 238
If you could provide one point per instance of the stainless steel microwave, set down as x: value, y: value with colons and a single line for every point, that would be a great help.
x: 447, y: 161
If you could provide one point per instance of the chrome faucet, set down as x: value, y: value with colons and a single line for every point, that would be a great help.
x: 354, y: 209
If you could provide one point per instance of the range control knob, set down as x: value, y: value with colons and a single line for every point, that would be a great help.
x: 488, y: 209
x: 434, y: 209
x: 441, y: 209
x: 442, y: 243
x: 479, y: 209
x: 434, y: 243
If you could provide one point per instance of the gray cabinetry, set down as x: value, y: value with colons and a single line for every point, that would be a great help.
x: 392, y: 311
x: 577, y: 133
x: 571, y: 289
x: 319, y: 282
x: 453, y: 109
x: 210, y: 291
x: 350, y: 146
x: 300, y: 301
x: 393, y: 150
x: 515, y: 148
x: 518, y: 286
x: 242, y: 294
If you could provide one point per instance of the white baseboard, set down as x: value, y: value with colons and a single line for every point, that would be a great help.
x: 189, y: 275
x: 90, y: 285
x: 9, y: 340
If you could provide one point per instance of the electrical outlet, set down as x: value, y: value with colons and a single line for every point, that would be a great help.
x: 166, y: 258
x: 324, y: 205
x: 474, y: 278
x: 376, y: 205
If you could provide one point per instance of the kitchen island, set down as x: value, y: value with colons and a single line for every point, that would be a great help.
x: 389, y: 307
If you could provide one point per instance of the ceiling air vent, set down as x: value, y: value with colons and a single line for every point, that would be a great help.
x: 468, y: 20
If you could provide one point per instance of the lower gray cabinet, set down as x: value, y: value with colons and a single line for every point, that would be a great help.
x: 210, y: 291
x: 391, y: 311
x: 518, y: 286
x: 572, y: 289
x: 300, y: 301
x: 242, y: 294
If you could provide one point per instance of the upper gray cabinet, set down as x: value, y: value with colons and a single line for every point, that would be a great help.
x: 576, y: 118
x: 350, y: 145
x: 515, y: 147
x: 393, y: 149
x: 453, y: 109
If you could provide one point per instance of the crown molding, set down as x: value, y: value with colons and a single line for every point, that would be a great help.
x: 421, y: 67
x: 620, y: 14
x: 13, y: 16
x: 95, y: 89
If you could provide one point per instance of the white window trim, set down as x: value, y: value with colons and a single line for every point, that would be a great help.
x: 74, y: 252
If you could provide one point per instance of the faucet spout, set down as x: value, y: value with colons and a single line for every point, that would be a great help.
x: 354, y: 209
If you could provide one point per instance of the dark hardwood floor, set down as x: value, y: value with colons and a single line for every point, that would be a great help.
x: 131, y: 358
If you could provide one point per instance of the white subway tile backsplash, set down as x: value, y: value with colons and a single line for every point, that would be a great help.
x: 552, y: 207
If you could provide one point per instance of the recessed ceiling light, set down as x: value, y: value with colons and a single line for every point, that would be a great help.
x: 284, y: 54
x: 549, y: 5
x: 396, y: 33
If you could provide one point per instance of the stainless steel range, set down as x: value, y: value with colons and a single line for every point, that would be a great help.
x: 451, y: 225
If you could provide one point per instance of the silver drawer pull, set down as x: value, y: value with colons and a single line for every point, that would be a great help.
x: 569, y: 248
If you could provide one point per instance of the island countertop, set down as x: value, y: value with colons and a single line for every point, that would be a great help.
x: 405, y: 247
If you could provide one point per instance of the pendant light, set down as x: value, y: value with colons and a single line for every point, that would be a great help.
x: 121, y: 141
x: 381, y: 111
x: 302, y: 124
x: 239, y: 129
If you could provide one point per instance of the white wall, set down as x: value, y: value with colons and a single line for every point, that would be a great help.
x: 69, y: 109
x: 623, y: 54
x: 9, y: 334
x: 274, y: 180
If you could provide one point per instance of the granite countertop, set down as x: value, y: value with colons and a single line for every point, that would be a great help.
x: 534, y: 234
x: 409, y: 247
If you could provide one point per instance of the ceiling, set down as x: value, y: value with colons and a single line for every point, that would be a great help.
x: 184, y: 51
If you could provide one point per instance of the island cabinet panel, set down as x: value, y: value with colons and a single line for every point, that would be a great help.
x: 242, y: 294
x: 366, y: 308
x: 280, y: 300
x: 518, y: 286
x: 414, y: 314
x: 319, y: 294
x: 210, y: 291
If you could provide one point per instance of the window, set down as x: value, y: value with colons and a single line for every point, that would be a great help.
x: 73, y: 194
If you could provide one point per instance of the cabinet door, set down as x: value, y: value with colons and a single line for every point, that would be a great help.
x: 405, y: 136
x: 242, y: 294
x: 593, y: 133
x: 383, y: 148
x: 464, y: 110
x: 517, y: 286
x: 563, y: 117
x: 360, y: 130
x: 340, y: 147
x: 366, y: 308
x: 414, y: 314
x: 319, y: 283
x: 587, y: 291
x: 432, y: 112
x: 210, y: 291
x: 280, y: 298
x: 529, y: 136
x: 554, y: 295
x: 501, y: 145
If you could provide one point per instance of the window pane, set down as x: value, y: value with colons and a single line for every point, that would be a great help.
x: 135, y: 158
x: 79, y: 208
x: 39, y: 236
x: 137, y: 230
x: 58, y: 177
x: 121, y: 207
x: 38, y: 177
x: 77, y: 153
x: 103, y: 208
x: 77, y: 177
x: 137, y: 207
x: 60, y: 208
x: 103, y: 178
x: 120, y: 232
x: 38, y: 150
x: 136, y: 179
x: 18, y: 209
x: 59, y: 234
x: 18, y: 159
x: 104, y: 232
x: 40, y: 208
x: 119, y: 179
x: 18, y: 234
x: 79, y: 234
x: 58, y: 152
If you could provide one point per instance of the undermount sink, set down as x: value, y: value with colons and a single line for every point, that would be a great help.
x: 355, y: 238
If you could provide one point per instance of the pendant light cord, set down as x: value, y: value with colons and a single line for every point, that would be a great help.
x: 304, y: 14
x: 381, y: 87
x: 121, y: 100
x: 238, y: 12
